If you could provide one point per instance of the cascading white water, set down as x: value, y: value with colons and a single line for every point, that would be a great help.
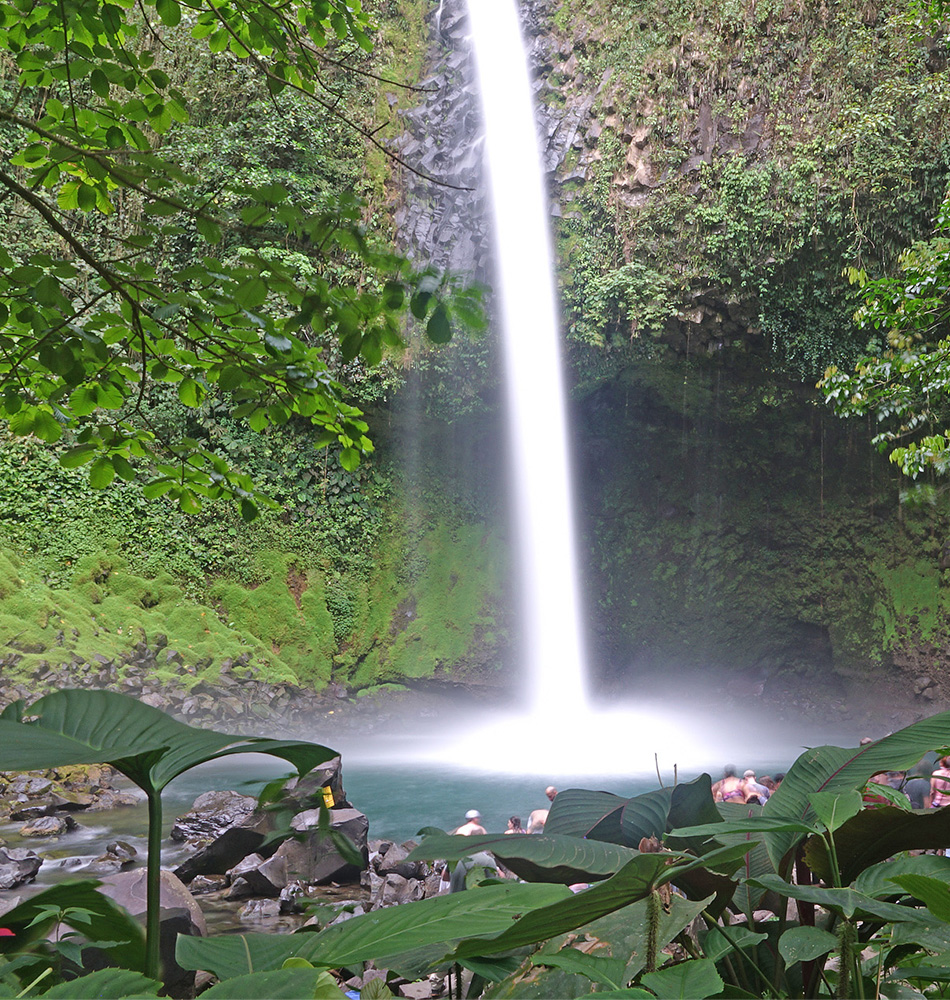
x: 556, y: 733
x: 524, y: 287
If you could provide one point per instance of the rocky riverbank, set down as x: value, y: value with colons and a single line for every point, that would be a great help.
x: 304, y: 859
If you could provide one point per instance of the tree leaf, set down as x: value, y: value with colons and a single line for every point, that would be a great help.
x: 438, y: 329
x: 106, y: 984
x: 277, y: 984
x: 101, y: 473
x: 535, y: 858
x: 691, y: 980
x: 805, y: 944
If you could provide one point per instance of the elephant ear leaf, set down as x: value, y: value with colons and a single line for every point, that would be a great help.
x: 874, y: 835
x: 646, y: 815
x: 578, y: 812
x: 533, y: 858
x: 837, y: 769
x: 145, y: 744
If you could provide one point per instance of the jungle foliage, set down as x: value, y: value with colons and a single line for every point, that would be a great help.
x: 767, y: 147
x: 904, y: 380
x: 142, y: 267
x: 675, y: 895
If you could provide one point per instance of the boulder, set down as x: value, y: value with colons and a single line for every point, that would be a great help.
x: 18, y: 865
x: 201, y: 884
x: 306, y: 792
x: 46, y: 805
x: 180, y: 914
x: 395, y: 890
x: 118, y: 855
x: 314, y: 859
x: 257, y: 876
x: 210, y: 815
x: 393, y: 862
x: 48, y: 826
x: 221, y: 854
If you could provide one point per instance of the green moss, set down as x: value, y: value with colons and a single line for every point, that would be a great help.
x: 279, y: 613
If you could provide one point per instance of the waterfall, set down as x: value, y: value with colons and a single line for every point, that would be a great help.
x: 537, y: 412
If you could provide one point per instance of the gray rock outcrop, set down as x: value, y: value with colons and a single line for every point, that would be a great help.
x: 313, y: 858
x: 18, y: 865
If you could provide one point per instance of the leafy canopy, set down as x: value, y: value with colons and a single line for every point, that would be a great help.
x: 904, y: 381
x: 99, y: 313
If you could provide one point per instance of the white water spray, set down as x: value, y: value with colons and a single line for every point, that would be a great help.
x: 524, y: 286
x: 558, y: 735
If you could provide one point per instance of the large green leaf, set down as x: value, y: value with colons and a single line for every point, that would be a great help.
x: 625, y: 931
x: 931, y: 892
x: 633, y: 882
x: 692, y: 980
x: 835, y: 769
x: 805, y: 944
x: 144, y: 743
x: 603, y: 816
x: 534, y: 858
x: 577, y: 811
x: 690, y: 805
x: 646, y: 816
x: 844, y: 902
x: 486, y: 910
x: 278, y: 984
x: 106, y: 984
x: 107, y: 921
x: 238, y: 954
x: 876, y: 834
x: 379, y: 935
x: 597, y: 968
x: 877, y: 880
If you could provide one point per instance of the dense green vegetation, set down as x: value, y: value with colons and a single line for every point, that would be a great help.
x: 749, y: 153
x: 745, y: 158
x: 351, y: 581
x: 675, y: 895
x: 157, y: 256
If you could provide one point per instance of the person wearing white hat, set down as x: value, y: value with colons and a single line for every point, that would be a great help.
x: 472, y: 824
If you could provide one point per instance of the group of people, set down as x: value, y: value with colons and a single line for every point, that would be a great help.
x: 923, y: 792
x: 536, y: 820
x: 747, y: 789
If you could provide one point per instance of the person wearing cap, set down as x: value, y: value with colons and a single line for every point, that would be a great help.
x: 472, y: 824
x: 753, y: 788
